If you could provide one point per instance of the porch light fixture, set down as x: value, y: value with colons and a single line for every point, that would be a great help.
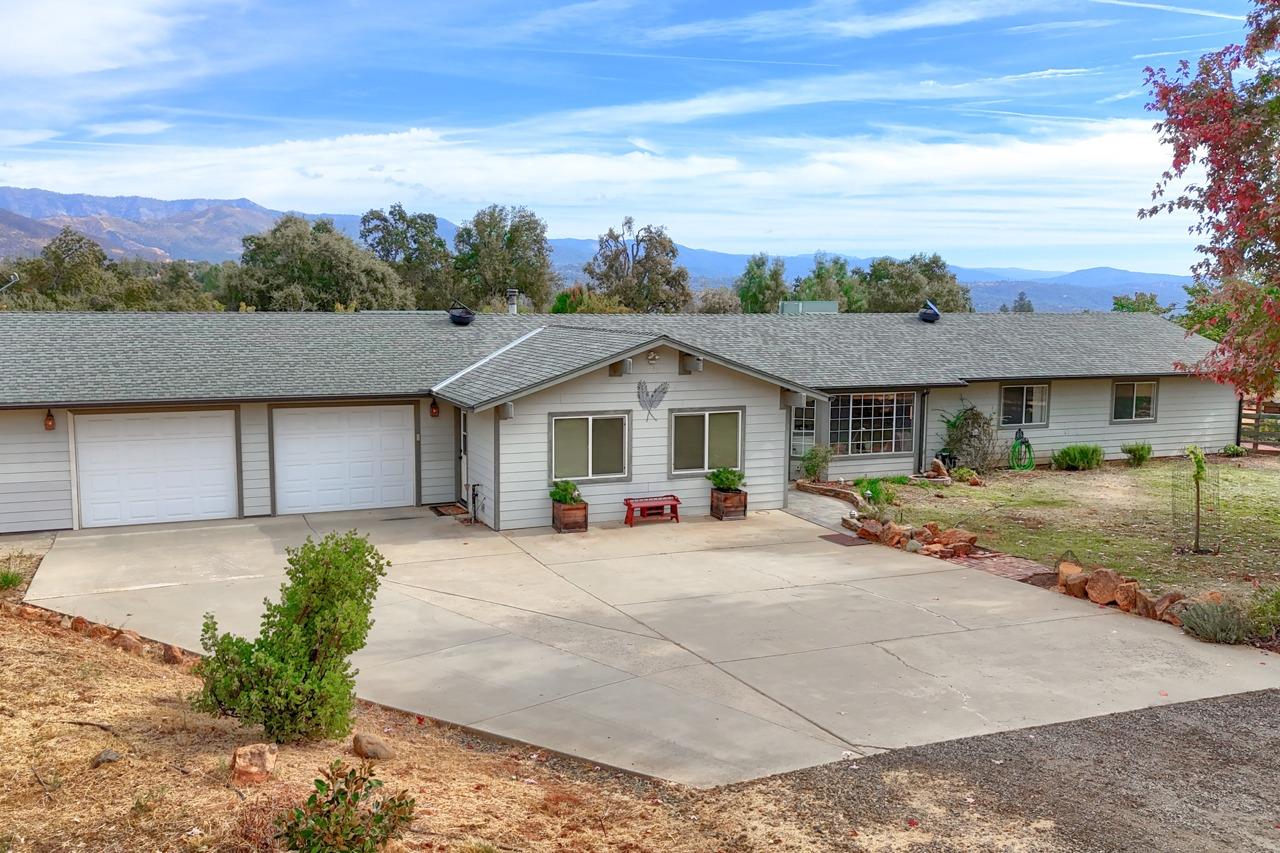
x: 435, y: 408
x: 49, y: 423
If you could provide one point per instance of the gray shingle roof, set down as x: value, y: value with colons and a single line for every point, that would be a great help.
x: 81, y: 358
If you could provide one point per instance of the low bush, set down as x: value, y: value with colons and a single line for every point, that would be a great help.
x: 1216, y: 622
x: 345, y: 815
x: 815, y: 461
x: 296, y: 678
x: 10, y: 579
x: 973, y: 439
x: 727, y: 479
x: 1264, y: 612
x: 1078, y: 457
x: 877, y: 490
x: 1138, y: 453
x: 963, y: 474
x: 1235, y: 451
x: 565, y: 492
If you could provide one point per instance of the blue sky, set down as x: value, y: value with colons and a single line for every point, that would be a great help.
x: 997, y: 132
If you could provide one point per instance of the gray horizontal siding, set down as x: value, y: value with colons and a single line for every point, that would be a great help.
x: 255, y: 460
x: 437, y: 454
x: 35, y: 472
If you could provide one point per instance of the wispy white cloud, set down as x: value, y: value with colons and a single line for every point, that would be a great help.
x: 678, y: 57
x: 1059, y: 26
x: 140, y: 127
x: 16, y: 138
x: 778, y: 94
x: 1165, y: 7
x: 833, y: 19
x: 1120, y: 96
x: 63, y: 39
x: 1190, y: 51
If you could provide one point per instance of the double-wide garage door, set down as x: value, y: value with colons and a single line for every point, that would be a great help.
x: 147, y: 467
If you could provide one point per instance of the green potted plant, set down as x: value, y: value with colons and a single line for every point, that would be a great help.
x: 568, y: 509
x: 728, y: 500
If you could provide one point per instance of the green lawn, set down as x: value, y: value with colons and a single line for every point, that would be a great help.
x: 1119, y: 517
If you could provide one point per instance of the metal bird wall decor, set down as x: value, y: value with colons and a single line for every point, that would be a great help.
x: 650, y: 400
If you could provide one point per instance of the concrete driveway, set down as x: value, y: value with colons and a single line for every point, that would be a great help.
x: 704, y: 652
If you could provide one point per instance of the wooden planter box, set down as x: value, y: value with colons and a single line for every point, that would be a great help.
x: 568, y: 518
x: 728, y: 504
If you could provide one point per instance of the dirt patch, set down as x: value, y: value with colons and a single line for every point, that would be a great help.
x: 17, y: 568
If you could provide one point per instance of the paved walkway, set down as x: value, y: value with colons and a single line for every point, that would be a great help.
x: 705, y: 652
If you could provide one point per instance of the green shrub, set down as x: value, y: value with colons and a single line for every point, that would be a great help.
x: 815, y: 461
x: 963, y: 474
x: 1235, y: 451
x: 973, y: 439
x: 1138, y: 452
x: 727, y: 479
x: 344, y: 815
x: 1264, y: 612
x: 565, y: 492
x: 10, y: 579
x: 295, y: 678
x: 898, y: 479
x: 1216, y: 622
x: 1078, y: 457
x: 876, y: 490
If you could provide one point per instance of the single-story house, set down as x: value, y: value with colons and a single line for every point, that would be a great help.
x: 129, y: 418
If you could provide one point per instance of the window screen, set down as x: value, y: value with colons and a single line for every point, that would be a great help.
x: 701, y: 441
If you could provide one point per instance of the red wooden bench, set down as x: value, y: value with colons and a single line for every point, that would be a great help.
x: 660, y: 506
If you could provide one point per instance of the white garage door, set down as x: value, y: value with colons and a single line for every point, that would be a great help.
x: 140, y: 468
x: 343, y: 457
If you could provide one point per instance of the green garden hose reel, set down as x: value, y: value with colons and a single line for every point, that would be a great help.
x: 1021, y: 456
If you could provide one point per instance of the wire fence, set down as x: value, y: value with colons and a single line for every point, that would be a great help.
x: 1197, y: 526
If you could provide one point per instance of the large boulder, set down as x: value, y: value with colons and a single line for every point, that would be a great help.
x: 371, y: 747
x: 870, y: 529
x: 1076, y: 585
x: 128, y: 641
x: 1127, y: 595
x: 956, y: 535
x: 1144, y: 605
x: 1066, y: 569
x: 1102, y: 586
x: 253, y: 764
x: 893, y: 534
x: 1165, y: 610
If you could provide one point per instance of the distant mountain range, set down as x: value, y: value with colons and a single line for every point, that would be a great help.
x: 211, y: 230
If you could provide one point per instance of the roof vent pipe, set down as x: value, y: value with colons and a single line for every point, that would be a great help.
x: 929, y: 313
x: 512, y: 293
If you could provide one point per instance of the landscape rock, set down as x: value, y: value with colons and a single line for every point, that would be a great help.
x: 254, y: 763
x: 1102, y: 586
x: 937, y: 470
x: 101, y: 632
x: 80, y: 625
x: 1066, y: 569
x: 35, y: 614
x: 371, y: 747
x: 923, y: 535
x: 955, y: 535
x: 173, y: 654
x: 975, y: 480
x: 961, y: 549
x: 107, y: 756
x: 128, y: 641
x: 1144, y: 605
x: 934, y: 528
x: 893, y: 534
x: 870, y: 529
x: 914, y: 546
x: 1210, y: 597
x: 1165, y: 611
x: 939, y: 550
x: 1076, y: 585
x: 1127, y: 595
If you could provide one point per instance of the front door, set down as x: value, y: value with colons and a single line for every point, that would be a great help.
x: 463, y: 479
x: 804, y: 433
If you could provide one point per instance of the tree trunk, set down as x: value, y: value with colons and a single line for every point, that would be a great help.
x: 1196, y: 523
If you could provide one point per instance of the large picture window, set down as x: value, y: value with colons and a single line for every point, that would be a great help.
x: 873, y: 423
x: 1133, y: 401
x: 1024, y: 405
x: 703, y: 441
x: 585, y: 447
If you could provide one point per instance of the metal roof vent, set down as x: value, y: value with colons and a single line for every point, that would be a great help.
x: 460, y: 315
x: 929, y: 313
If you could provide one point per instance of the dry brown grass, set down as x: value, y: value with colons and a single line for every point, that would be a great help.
x: 172, y: 790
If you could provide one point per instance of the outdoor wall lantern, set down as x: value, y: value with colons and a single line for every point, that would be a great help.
x: 49, y: 422
x: 435, y: 408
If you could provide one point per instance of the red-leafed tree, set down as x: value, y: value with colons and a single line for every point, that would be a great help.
x: 1222, y: 122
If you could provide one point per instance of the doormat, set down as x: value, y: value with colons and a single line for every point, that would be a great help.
x: 844, y: 539
x: 449, y: 509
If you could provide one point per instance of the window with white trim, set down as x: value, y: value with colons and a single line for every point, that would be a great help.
x: 804, y: 428
x: 863, y: 424
x: 585, y: 447
x: 1024, y: 405
x: 1133, y: 401
x: 704, y: 441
